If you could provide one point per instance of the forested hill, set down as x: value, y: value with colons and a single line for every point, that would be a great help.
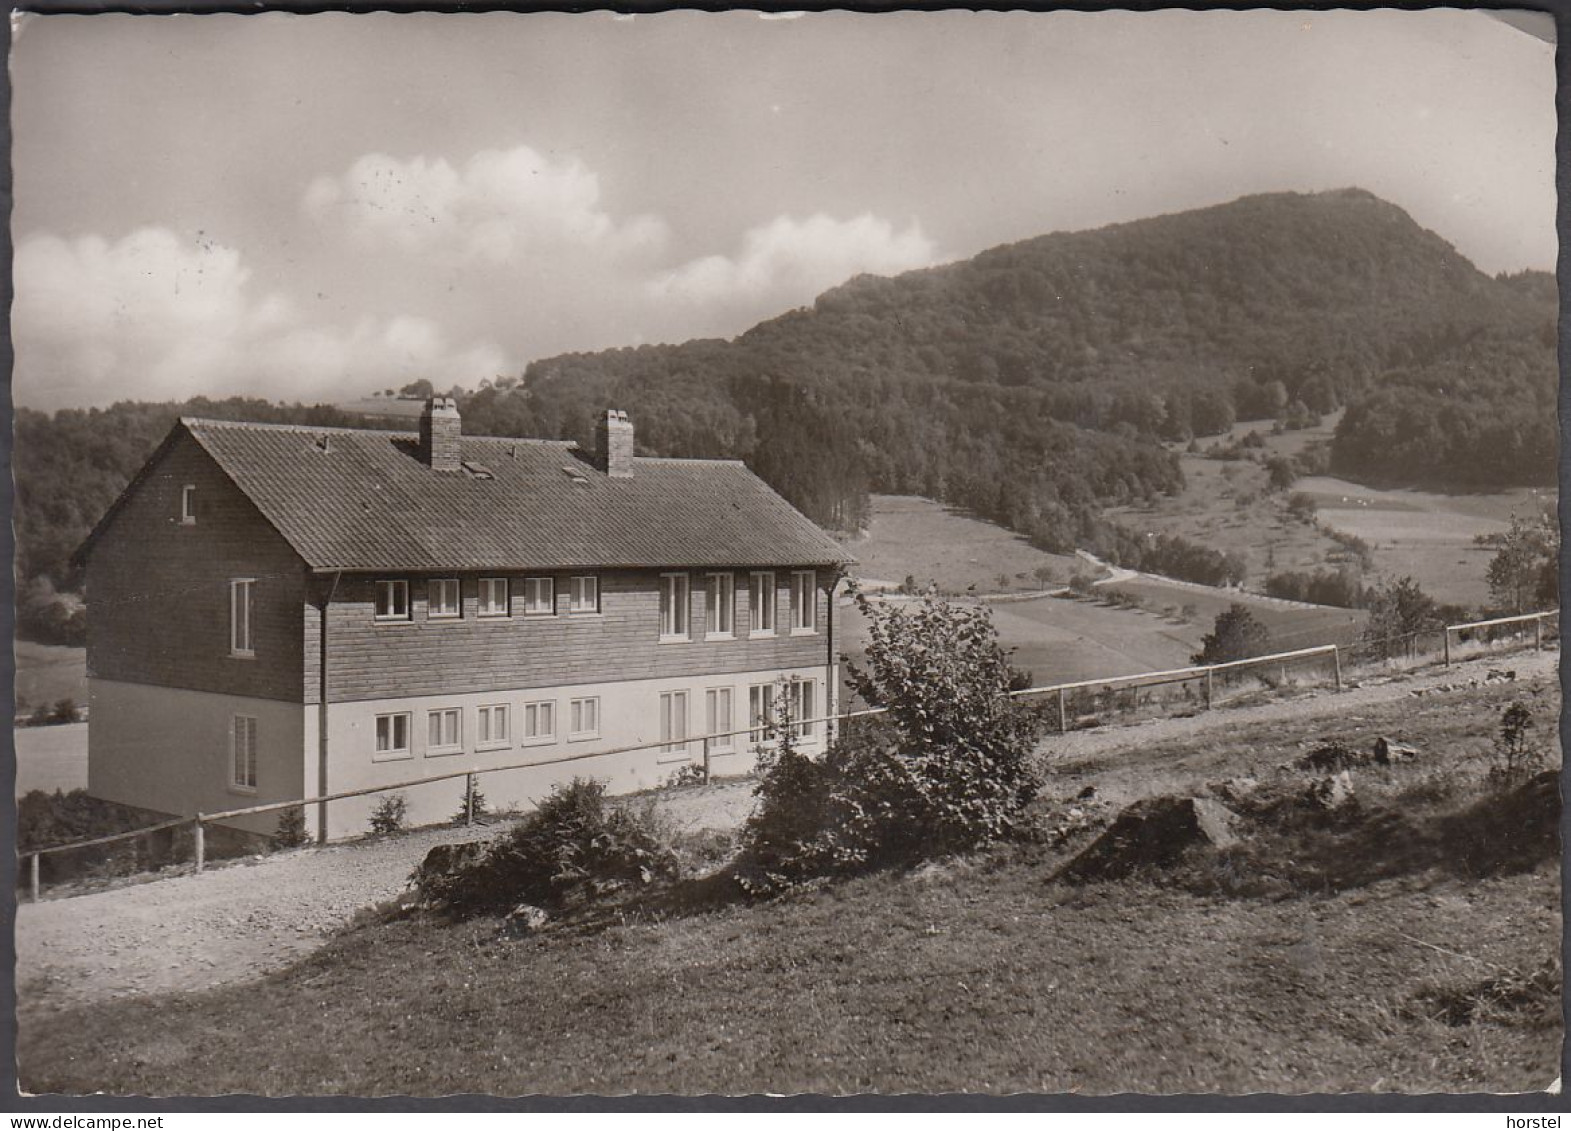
x: 1031, y: 384
x: 978, y: 382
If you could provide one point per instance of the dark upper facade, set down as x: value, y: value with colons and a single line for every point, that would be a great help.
x: 313, y: 521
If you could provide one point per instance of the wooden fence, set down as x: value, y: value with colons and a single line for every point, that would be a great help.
x: 1205, y: 672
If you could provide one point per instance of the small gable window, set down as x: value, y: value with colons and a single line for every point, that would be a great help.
x: 188, y: 505
x: 240, y: 590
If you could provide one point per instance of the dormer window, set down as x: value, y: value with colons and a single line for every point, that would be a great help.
x: 188, y: 505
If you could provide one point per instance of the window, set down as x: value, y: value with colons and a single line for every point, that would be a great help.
x: 444, y: 731
x: 583, y: 594
x: 494, y: 597
x: 761, y: 604
x: 240, y: 591
x: 243, y: 753
x: 717, y: 717
x: 539, y: 722
x: 673, y: 722
x: 442, y: 598
x: 583, y: 718
x: 188, y: 505
x: 720, y: 605
x: 804, y: 586
x: 799, y: 705
x: 760, y: 709
x: 392, y: 737
x: 492, y: 731
x: 539, y: 596
x: 392, y: 600
x: 673, y: 606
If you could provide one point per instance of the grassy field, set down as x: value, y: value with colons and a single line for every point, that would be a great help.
x: 1425, y: 535
x: 47, y: 673
x: 1060, y: 640
x: 932, y: 543
x: 1363, y: 954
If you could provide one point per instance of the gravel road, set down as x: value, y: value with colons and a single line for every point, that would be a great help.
x: 243, y: 919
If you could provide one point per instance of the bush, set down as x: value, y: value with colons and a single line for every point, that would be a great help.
x: 290, y: 832
x: 1397, y: 612
x: 388, y: 816
x: 574, y: 847
x: 945, y: 769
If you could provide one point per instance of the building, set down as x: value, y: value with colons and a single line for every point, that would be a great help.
x: 284, y: 612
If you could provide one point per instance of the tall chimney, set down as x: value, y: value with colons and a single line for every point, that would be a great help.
x: 440, y: 431
x: 614, y: 444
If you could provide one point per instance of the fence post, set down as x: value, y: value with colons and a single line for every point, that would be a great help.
x: 1538, y: 634
x: 469, y: 798
x: 1208, y: 688
x: 1336, y: 667
x: 34, y: 877
x: 200, y: 836
x: 706, y: 759
x: 1446, y: 633
x: 1063, y: 716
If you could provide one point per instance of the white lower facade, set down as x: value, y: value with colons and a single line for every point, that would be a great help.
x: 174, y: 751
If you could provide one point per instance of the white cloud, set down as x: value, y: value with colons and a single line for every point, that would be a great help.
x: 789, y: 262
x: 500, y: 206
x: 152, y: 316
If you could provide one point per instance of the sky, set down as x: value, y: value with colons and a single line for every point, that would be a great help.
x: 318, y: 207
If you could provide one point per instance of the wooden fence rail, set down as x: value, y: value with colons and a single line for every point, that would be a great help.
x: 1061, y: 690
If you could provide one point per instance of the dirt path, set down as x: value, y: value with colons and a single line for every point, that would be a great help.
x: 237, y: 921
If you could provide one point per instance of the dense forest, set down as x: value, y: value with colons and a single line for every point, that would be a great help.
x: 1033, y: 384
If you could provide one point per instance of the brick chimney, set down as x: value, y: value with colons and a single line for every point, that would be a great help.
x: 614, y: 444
x: 440, y: 430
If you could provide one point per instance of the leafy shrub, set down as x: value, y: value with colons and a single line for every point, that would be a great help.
x: 1398, y: 611
x: 388, y: 816
x: 290, y: 831
x: 690, y: 773
x: 574, y: 847
x: 946, y: 768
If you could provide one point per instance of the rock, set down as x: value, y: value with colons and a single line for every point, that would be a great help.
x: 1332, y: 792
x: 1234, y: 791
x: 1388, y: 751
x: 524, y: 920
x: 1086, y: 794
x: 1154, y: 831
x: 1331, y: 757
x: 444, y: 859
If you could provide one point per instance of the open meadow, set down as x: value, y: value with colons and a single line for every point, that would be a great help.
x: 1423, y: 534
x: 1060, y: 639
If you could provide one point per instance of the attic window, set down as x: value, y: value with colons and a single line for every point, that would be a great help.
x: 477, y: 470
x: 188, y: 504
x: 576, y: 475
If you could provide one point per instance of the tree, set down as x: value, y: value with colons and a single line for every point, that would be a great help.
x: 1526, y: 564
x: 1397, y: 611
x: 1236, y: 635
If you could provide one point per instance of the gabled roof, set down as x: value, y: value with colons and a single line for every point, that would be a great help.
x: 361, y: 500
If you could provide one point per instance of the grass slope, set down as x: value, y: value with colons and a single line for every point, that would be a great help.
x: 976, y: 975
